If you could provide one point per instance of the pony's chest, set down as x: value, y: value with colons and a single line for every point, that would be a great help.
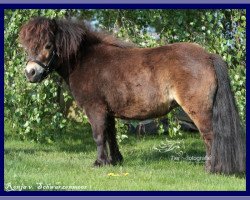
x: 82, y: 89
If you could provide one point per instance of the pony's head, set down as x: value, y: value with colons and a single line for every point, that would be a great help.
x: 49, y: 43
x: 38, y: 39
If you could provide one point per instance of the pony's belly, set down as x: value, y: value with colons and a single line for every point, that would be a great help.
x: 142, y: 103
x: 144, y: 111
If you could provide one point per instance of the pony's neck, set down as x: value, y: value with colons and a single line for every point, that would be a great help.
x: 74, y: 41
x: 63, y: 71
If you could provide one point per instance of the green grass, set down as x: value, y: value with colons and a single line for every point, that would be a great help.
x: 68, y: 162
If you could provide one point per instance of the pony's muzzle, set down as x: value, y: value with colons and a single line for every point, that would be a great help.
x: 33, y: 72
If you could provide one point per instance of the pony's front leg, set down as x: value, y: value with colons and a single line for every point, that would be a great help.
x: 97, y: 119
x: 115, y: 154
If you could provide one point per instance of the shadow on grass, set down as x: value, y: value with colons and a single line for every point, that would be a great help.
x: 77, y: 138
x: 150, y: 157
x: 9, y: 151
x: 192, y: 151
x: 80, y: 139
x: 189, y: 156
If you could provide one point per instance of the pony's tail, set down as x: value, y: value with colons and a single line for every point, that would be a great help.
x: 228, y: 152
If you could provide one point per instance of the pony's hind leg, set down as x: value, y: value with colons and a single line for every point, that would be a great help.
x: 195, y: 94
x: 200, y: 111
x: 203, y: 121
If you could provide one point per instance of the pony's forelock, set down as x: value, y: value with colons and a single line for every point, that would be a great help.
x: 66, y: 35
x: 37, y: 32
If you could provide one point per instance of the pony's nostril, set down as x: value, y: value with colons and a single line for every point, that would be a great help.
x: 32, y: 72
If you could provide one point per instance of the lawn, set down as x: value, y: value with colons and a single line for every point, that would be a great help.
x: 67, y: 165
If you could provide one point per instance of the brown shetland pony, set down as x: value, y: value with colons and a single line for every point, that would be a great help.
x: 111, y: 79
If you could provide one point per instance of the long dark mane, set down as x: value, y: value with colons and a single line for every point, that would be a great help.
x: 69, y: 36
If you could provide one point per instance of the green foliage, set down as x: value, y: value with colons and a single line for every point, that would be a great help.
x: 33, y: 110
x: 160, y: 128
x: 174, y: 126
x: 238, y: 82
x: 122, y: 130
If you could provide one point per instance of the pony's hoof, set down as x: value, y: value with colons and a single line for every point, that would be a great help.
x: 102, y: 162
x: 118, y: 159
x: 208, y: 167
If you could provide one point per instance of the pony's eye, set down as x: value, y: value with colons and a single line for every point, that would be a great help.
x: 33, y: 51
x: 48, y: 46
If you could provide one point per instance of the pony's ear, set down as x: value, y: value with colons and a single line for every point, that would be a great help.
x: 68, y: 38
